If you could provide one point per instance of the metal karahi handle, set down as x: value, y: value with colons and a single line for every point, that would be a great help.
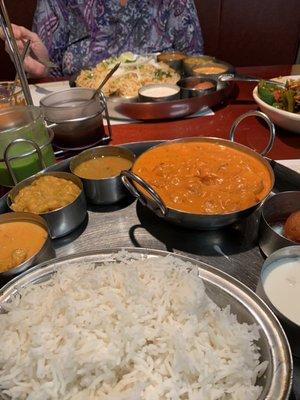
x: 259, y: 114
x: 128, y: 176
x: 7, y: 160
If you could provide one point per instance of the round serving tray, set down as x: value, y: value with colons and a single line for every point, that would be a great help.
x: 150, y: 111
x: 118, y: 108
x: 220, y: 287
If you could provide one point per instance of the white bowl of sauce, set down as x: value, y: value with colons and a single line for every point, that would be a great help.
x: 279, y: 286
x: 159, y: 92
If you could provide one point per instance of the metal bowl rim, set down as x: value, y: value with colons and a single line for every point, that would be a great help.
x: 71, y: 89
x: 28, y: 181
x: 170, y: 52
x: 9, y: 110
x: 75, y: 158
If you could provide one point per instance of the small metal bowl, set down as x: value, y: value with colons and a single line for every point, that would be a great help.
x: 275, y: 212
x: 65, y: 219
x: 103, y: 191
x: 45, y: 253
x: 292, y: 329
x: 173, y: 59
x: 210, y: 69
x: 188, y: 89
x: 76, y: 118
x: 191, y: 61
x: 151, y: 92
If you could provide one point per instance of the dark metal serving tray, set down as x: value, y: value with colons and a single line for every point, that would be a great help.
x: 119, y: 108
x: 232, y: 249
x: 149, y: 111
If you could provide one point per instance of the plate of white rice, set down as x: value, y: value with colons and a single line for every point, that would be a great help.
x: 138, y: 324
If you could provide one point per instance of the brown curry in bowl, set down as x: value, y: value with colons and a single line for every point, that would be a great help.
x: 203, y: 177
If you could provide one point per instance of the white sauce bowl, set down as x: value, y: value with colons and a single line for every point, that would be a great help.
x: 279, y: 286
x: 159, y: 92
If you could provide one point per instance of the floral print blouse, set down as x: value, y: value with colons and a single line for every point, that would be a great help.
x: 80, y: 33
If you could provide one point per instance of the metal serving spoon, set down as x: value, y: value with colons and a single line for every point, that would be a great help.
x: 108, y: 76
x: 232, y: 77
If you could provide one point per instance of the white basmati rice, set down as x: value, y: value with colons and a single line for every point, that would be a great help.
x: 137, y: 330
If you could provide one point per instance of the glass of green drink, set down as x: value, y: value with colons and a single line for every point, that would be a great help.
x: 23, y: 123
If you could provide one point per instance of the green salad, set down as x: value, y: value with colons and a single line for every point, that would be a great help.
x: 285, y: 98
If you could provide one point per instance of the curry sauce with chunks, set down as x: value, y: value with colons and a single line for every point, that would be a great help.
x: 204, y: 177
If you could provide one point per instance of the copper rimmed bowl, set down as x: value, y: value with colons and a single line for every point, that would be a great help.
x: 138, y: 186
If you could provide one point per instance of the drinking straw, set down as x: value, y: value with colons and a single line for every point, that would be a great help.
x: 14, y: 52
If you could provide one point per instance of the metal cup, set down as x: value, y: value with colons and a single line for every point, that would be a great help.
x: 65, y: 219
x: 291, y: 328
x: 103, y: 191
x: 76, y: 118
x: 188, y: 86
x: 275, y: 211
x: 45, y: 253
x: 25, y: 144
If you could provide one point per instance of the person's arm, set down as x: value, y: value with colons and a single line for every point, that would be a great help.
x: 184, y: 27
x: 51, y: 25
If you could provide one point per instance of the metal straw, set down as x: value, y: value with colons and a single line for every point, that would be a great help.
x: 13, y: 49
x: 23, y: 55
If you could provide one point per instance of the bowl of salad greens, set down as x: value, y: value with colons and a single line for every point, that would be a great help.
x: 280, y: 103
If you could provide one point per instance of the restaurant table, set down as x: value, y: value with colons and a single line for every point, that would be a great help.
x: 251, y: 132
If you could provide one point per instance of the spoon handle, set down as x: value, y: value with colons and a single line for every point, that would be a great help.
x: 245, y: 78
x: 111, y: 72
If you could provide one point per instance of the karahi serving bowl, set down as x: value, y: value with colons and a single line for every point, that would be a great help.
x: 149, y: 197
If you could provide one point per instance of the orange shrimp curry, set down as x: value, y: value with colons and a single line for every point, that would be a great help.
x: 204, y: 177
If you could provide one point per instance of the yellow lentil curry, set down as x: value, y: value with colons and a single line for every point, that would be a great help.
x: 204, y: 178
x: 102, y: 167
x: 45, y: 194
x: 19, y: 240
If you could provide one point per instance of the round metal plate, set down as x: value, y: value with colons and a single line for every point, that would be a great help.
x: 220, y: 287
